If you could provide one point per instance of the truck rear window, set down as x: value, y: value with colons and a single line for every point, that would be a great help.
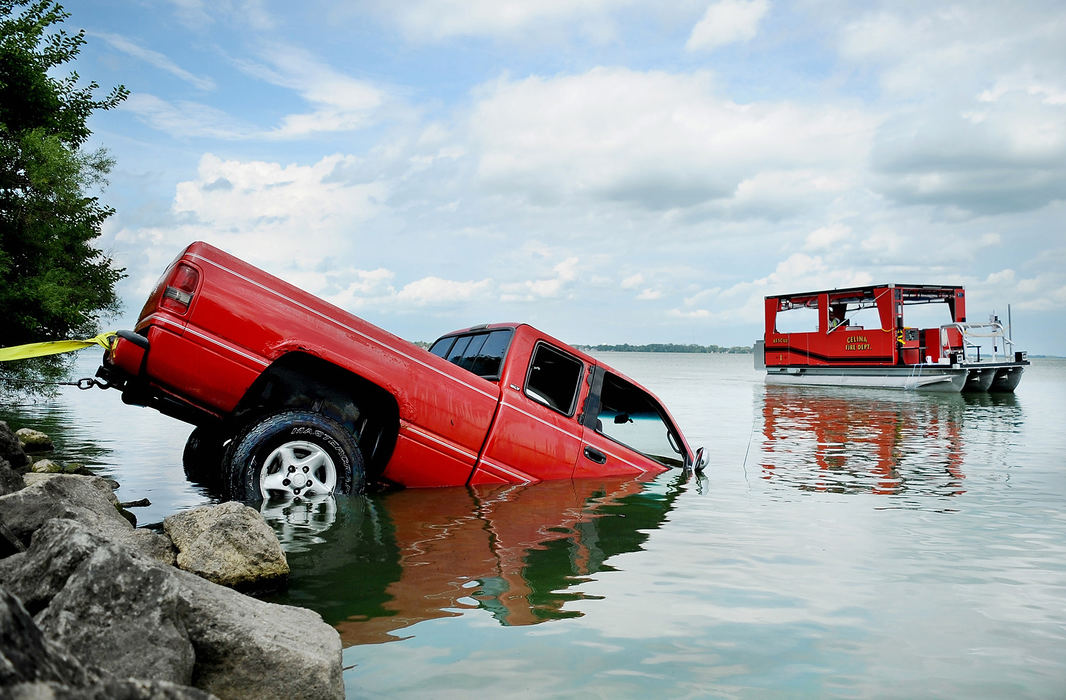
x: 481, y: 353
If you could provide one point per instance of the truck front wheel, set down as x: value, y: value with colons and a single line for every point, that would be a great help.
x: 293, y: 454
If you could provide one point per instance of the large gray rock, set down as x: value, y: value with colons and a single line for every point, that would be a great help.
x: 85, y: 499
x: 32, y: 666
x: 117, y: 609
x: 26, y: 656
x: 11, y: 449
x: 247, y: 648
x: 229, y: 544
x: 10, y: 479
x: 107, y: 604
x: 107, y: 688
x: 34, y: 441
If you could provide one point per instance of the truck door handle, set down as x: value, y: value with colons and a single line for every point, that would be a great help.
x: 595, y: 455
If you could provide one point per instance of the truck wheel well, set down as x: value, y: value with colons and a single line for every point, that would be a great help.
x: 301, y: 381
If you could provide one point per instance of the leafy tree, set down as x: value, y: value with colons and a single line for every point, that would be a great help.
x: 54, y: 284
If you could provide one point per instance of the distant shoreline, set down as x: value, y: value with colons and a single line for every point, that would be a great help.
x: 653, y: 347
x: 670, y: 347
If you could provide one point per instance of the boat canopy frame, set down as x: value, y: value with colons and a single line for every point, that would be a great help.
x: 889, y: 299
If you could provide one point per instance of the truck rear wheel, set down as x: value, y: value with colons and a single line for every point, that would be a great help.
x: 202, y: 457
x: 293, y: 454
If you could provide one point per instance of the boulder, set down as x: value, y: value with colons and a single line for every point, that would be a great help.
x: 247, y: 648
x: 26, y: 656
x: 32, y: 666
x: 11, y: 449
x: 107, y: 604
x: 10, y: 479
x: 86, y: 499
x: 117, y: 609
x: 34, y: 441
x: 229, y: 544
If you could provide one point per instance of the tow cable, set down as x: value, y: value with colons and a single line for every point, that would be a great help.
x: 57, y: 347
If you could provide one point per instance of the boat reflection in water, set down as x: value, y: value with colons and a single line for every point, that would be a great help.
x: 375, y: 565
x: 857, y: 443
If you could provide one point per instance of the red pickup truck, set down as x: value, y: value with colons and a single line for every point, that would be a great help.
x: 293, y: 397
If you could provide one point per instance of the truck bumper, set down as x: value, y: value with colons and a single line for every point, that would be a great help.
x: 126, y: 358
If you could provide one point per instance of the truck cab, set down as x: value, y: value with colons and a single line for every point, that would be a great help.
x: 562, y: 413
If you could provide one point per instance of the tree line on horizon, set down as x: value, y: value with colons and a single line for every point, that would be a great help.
x: 670, y: 347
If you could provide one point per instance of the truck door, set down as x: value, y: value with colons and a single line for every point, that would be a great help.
x: 536, y: 434
x: 625, y: 431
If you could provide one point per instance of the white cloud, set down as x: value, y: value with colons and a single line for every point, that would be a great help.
x: 340, y: 102
x: 363, y: 286
x: 827, y: 236
x: 743, y: 302
x: 186, y: 119
x: 192, y: 13
x: 156, y: 59
x: 285, y: 218
x: 434, y: 290
x: 233, y: 195
x: 656, y: 140
x: 976, y: 93
x: 531, y: 290
x: 1043, y: 292
x: 726, y: 22
x: 198, y: 14
x: 439, y: 19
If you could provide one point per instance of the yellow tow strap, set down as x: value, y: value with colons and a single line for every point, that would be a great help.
x: 22, y: 352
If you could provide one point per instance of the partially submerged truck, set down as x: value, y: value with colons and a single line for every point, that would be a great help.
x: 294, y: 397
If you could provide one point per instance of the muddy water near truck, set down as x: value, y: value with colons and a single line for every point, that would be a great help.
x: 847, y: 543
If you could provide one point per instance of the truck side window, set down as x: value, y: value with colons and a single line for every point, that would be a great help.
x: 630, y: 416
x: 481, y: 353
x: 489, y: 360
x: 554, y: 378
x: 442, y: 346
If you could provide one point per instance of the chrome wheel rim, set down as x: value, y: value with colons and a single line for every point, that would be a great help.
x: 297, y: 469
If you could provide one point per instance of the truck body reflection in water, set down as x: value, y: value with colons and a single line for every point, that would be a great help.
x: 852, y: 442
x: 375, y: 565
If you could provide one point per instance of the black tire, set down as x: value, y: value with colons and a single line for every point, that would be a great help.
x: 202, y: 458
x: 263, y: 461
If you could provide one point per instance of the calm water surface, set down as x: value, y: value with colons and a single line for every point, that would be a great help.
x: 853, y: 543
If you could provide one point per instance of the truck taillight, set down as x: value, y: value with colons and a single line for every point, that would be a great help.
x: 178, y: 293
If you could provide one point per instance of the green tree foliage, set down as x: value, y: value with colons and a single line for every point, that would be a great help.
x: 54, y: 284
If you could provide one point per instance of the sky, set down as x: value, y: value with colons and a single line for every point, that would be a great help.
x: 609, y: 170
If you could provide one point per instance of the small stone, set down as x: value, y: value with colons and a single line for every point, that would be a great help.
x: 34, y: 440
x: 47, y: 466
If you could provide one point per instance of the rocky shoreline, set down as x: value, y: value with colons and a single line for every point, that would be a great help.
x: 91, y: 606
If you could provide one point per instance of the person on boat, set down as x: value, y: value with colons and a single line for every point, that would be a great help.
x: 837, y: 316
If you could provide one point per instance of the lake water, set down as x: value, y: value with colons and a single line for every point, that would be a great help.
x: 852, y: 543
